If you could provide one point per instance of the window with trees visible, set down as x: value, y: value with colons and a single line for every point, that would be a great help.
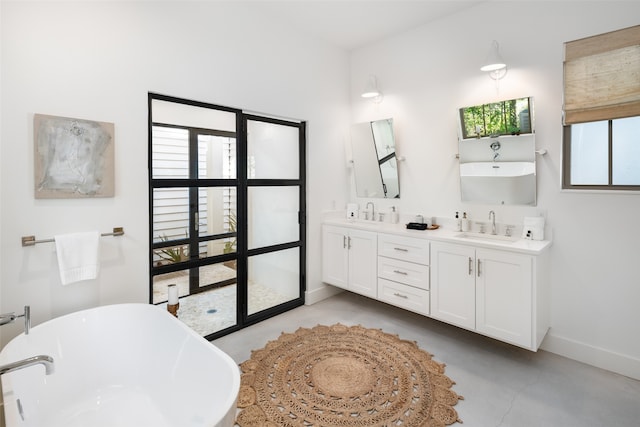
x: 510, y: 117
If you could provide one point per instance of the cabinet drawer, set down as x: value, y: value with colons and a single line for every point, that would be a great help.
x: 408, y: 273
x: 403, y: 296
x: 404, y: 248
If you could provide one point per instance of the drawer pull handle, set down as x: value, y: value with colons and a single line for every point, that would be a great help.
x: 400, y: 295
x: 404, y: 273
x: 401, y: 249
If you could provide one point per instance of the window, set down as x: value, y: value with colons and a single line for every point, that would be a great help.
x: 602, y: 155
x: 601, y: 146
x: 510, y: 117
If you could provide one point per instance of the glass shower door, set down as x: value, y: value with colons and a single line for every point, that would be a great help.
x: 275, y: 213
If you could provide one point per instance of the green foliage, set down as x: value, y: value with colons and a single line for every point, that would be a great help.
x: 494, y: 119
x: 173, y: 254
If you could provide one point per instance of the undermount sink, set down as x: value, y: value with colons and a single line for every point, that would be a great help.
x: 487, y: 237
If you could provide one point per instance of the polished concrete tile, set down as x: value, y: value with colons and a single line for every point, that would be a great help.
x: 502, y: 385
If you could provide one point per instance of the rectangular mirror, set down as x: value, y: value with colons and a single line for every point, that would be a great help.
x: 374, y: 159
x: 497, y: 153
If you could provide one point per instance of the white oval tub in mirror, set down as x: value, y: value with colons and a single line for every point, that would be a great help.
x: 502, y: 169
x: 120, y: 365
x: 511, y: 183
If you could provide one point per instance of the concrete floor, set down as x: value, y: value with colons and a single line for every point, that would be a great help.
x: 502, y: 385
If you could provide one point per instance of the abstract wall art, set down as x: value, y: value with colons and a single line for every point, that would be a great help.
x: 74, y: 158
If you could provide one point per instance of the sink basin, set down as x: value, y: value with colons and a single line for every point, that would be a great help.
x: 496, y: 238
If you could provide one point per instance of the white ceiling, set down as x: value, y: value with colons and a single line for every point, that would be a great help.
x: 351, y: 24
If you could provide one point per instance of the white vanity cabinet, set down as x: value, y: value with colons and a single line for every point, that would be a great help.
x: 493, y: 292
x: 349, y: 259
x: 403, y: 272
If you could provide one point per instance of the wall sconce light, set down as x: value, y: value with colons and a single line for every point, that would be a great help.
x: 494, y: 64
x: 371, y: 90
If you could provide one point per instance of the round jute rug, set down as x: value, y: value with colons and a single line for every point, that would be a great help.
x: 344, y: 376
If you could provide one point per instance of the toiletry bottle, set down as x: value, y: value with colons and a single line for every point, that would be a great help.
x: 458, y: 223
x: 394, y: 215
x: 465, y: 222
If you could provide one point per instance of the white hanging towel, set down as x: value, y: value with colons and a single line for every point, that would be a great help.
x: 78, y: 256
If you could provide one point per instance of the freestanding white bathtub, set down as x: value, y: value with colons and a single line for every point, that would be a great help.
x: 124, y: 365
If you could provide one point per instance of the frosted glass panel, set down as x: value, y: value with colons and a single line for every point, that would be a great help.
x: 590, y: 154
x: 626, y: 151
x: 273, y: 151
x: 274, y: 278
x: 273, y: 215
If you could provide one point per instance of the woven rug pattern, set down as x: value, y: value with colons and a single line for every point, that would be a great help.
x: 344, y: 376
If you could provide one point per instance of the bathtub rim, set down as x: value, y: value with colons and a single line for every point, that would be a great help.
x: 229, y: 404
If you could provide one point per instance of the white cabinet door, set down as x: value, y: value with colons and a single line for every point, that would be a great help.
x: 349, y: 259
x: 504, y: 296
x: 453, y: 293
x: 335, y: 256
x: 363, y: 248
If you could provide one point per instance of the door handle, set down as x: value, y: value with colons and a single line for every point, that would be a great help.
x: 478, y: 268
x: 344, y: 242
x: 349, y: 242
x: 470, y: 266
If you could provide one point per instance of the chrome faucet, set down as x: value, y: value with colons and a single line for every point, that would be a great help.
x: 47, y: 361
x: 492, y: 217
x: 10, y: 317
x: 373, y: 210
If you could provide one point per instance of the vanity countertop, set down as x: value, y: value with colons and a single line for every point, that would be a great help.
x: 531, y: 247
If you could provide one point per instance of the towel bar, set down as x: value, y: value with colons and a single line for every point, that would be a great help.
x: 31, y: 240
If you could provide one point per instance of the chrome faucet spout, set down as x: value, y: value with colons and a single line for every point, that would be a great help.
x: 373, y: 210
x: 47, y: 361
x: 492, y: 217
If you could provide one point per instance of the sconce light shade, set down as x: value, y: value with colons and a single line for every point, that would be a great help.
x: 494, y: 64
x: 371, y: 88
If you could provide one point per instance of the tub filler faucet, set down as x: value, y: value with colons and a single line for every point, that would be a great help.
x: 10, y: 317
x: 47, y: 361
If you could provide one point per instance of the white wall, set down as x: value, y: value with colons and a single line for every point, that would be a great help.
x: 98, y: 61
x: 428, y: 73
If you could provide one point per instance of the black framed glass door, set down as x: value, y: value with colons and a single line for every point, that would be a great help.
x: 227, y: 209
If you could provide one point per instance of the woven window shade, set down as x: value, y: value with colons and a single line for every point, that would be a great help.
x: 602, y: 77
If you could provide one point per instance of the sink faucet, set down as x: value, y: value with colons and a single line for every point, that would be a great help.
x: 47, y: 361
x: 492, y: 217
x: 373, y: 210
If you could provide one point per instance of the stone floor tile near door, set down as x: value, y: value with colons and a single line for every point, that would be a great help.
x: 502, y: 385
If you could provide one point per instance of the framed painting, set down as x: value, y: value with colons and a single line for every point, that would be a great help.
x: 74, y: 158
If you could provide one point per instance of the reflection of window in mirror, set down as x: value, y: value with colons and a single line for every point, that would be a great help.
x: 374, y: 159
x: 510, y: 117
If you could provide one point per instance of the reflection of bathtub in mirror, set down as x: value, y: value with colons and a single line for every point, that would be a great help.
x: 498, y: 182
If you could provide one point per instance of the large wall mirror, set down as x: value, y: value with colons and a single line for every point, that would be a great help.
x: 374, y: 159
x: 497, y: 153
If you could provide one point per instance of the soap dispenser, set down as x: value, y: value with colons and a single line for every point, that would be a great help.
x: 394, y: 215
x: 458, y: 222
x: 465, y: 222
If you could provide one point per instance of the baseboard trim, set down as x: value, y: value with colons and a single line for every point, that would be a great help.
x: 591, y: 355
x: 317, y: 295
